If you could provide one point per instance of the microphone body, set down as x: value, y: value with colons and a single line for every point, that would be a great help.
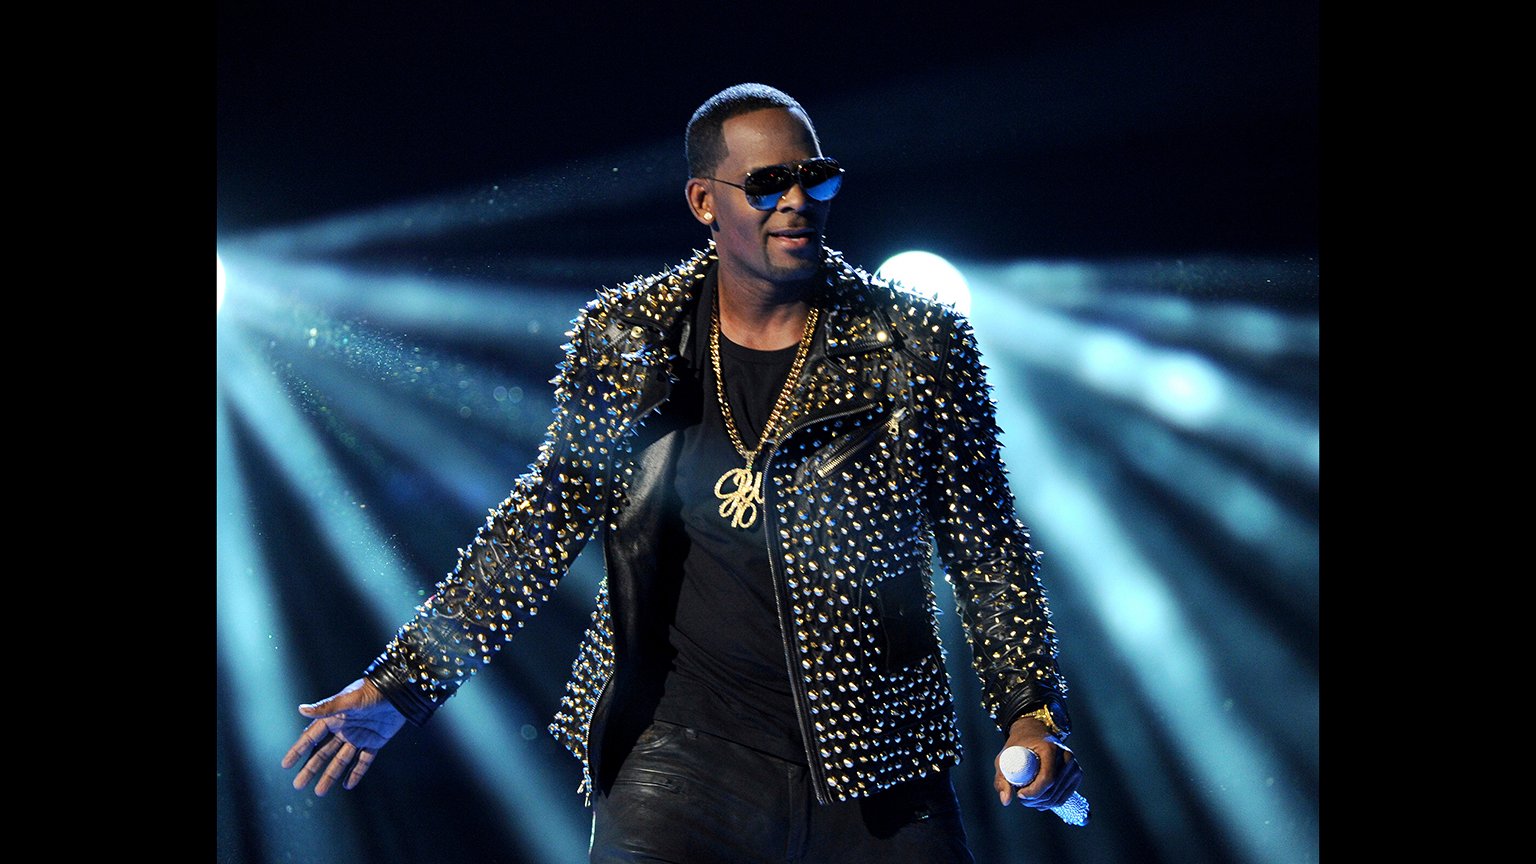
x: 1020, y: 765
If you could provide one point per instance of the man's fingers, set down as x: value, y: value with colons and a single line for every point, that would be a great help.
x: 337, y: 767
x: 1031, y: 792
x: 1003, y: 787
x: 307, y: 741
x: 316, y: 765
x: 340, y: 762
x: 326, y: 746
x: 364, y: 759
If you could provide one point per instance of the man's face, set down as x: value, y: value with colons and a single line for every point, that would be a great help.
x: 779, y: 245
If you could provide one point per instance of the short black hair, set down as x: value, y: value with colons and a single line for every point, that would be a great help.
x: 704, y: 144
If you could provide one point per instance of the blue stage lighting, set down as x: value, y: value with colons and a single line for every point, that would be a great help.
x: 1148, y: 624
x: 370, y: 559
x: 1110, y: 361
x: 1185, y: 388
x: 220, y: 262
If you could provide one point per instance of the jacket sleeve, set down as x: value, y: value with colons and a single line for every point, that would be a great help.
x: 986, y: 550
x: 515, y: 560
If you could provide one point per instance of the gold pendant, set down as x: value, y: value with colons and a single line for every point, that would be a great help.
x: 740, y: 506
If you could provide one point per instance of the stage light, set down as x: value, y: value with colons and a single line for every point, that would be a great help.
x: 1184, y: 388
x: 1232, y: 405
x: 1151, y: 627
x: 220, y: 262
x: 370, y: 559
x: 255, y: 649
x: 930, y: 275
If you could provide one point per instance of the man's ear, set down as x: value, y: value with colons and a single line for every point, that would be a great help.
x: 701, y: 200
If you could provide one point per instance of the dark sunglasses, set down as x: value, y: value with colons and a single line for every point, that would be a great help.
x: 820, y: 177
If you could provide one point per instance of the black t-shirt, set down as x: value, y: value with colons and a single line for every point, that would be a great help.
x: 729, y: 676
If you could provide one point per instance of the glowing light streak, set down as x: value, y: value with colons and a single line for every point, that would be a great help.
x: 304, y: 337
x: 1185, y: 388
x: 424, y: 436
x: 1261, y: 660
x: 1272, y: 426
x: 464, y: 309
x: 368, y: 560
x: 1115, y: 294
x: 1143, y: 620
x: 262, y: 703
x: 1211, y: 485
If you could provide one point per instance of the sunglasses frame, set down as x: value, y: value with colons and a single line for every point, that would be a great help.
x: 797, y: 176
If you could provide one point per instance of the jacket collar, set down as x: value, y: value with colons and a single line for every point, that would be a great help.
x: 853, y: 322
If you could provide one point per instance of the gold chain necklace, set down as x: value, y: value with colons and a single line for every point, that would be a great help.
x: 740, y: 505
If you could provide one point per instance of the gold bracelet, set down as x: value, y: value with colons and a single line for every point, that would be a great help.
x: 1043, y: 714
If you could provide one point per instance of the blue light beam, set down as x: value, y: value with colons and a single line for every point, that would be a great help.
x: 463, y: 309
x: 1181, y: 387
x: 1115, y: 293
x: 368, y: 560
x: 1141, y: 615
x: 253, y: 654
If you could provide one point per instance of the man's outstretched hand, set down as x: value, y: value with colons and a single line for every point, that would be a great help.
x: 1059, y: 776
x: 349, y: 728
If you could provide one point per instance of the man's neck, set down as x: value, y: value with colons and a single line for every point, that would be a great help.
x: 761, y: 315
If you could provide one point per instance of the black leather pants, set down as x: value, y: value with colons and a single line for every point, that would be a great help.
x: 687, y: 797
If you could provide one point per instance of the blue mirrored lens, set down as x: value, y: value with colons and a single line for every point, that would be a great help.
x: 824, y: 190
x: 765, y: 202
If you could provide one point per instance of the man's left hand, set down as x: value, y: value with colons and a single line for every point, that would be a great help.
x: 1059, y: 774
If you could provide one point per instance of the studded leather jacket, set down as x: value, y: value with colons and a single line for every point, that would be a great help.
x: 890, y: 445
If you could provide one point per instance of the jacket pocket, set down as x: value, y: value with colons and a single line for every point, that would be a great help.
x: 906, y: 622
x: 824, y: 463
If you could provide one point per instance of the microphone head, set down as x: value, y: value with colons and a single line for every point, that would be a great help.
x: 1019, y: 765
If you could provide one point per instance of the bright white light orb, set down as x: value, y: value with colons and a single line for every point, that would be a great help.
x: 929, y: 274
x: 1186, y: 389
x: 221, y: 282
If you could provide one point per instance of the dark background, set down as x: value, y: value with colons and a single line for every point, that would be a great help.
x: 1107, y: 129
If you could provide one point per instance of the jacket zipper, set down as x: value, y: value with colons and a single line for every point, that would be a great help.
x: 841, y: 455
x: 592, y: 720
x: 591, y: 775
x: 796, y: 683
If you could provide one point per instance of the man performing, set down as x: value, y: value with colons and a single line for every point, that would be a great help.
x: 771, y: 441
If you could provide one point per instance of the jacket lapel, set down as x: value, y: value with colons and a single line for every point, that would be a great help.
x: 658, y: 318
x: 835, y: 381
x: 654, y: 327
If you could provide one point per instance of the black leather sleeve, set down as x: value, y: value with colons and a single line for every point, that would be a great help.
x: 986, y: 549
x: 516, y: 559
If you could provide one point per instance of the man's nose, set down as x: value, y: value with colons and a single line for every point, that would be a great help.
x: 794, y: 198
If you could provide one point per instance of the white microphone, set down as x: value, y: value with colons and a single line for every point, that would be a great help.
x: 1020, y: 765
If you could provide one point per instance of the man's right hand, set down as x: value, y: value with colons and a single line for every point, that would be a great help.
x: 350, y: 726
